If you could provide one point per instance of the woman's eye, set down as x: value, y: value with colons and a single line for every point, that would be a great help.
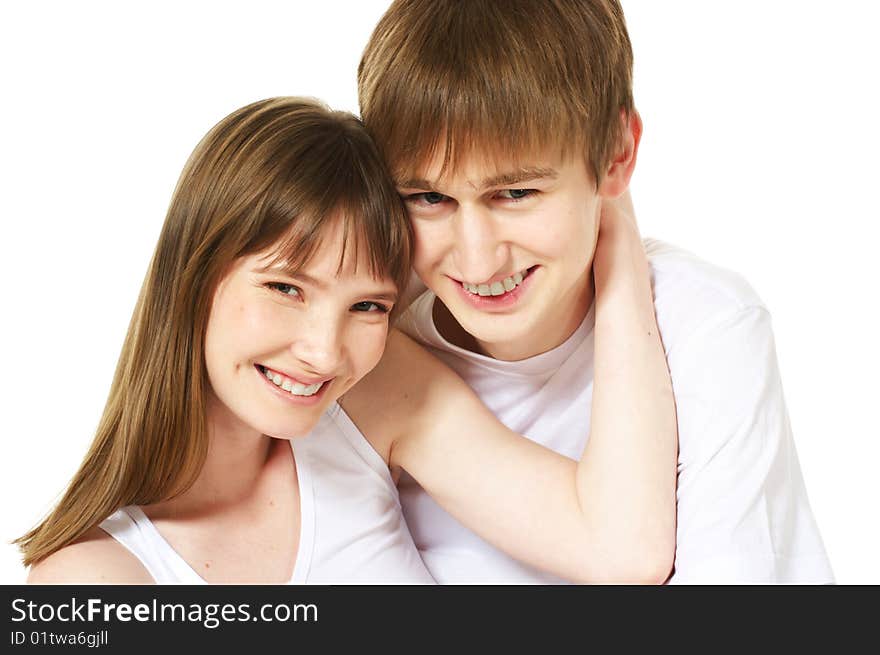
x: 428, y: 197
x: 368, y: 306
x: 286, y: 289
x: 516, y: 194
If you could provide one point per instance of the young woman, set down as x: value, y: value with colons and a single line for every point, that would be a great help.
x: 222, y: 455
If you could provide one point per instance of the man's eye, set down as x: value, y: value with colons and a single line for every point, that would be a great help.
x: 516, y: 194
x: 429, y: 197
x: 369, y: 306
x: 286, y: 289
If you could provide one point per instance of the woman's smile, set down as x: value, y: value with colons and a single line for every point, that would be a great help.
x: 291, y: 389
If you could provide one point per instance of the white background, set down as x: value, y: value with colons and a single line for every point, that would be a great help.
x: 759, y: 153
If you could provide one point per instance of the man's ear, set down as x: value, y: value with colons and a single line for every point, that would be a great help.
x: 623, y: 162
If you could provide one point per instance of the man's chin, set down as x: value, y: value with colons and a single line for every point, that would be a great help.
x: 495, y: 334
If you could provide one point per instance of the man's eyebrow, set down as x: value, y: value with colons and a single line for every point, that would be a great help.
x: 415, y: 183
x: 520, y: 175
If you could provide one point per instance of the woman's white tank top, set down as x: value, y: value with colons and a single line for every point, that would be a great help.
x: 352, y: 528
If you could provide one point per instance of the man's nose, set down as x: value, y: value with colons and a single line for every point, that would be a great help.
x: 479, y: 252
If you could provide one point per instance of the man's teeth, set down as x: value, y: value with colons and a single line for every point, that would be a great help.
x: 496, y: 288
x: 294, y: 388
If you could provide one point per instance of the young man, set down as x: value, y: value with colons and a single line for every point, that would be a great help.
x: 506, y: 123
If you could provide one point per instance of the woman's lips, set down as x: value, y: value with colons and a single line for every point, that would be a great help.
x: 301, y: 391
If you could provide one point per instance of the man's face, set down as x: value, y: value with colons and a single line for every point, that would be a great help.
x: 507, y: 247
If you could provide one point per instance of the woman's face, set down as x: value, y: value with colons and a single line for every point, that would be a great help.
x: 281, y: 346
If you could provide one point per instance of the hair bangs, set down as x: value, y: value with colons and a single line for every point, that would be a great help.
x: 341, y: 188
x: 503, y: 80
x: 468, y: 126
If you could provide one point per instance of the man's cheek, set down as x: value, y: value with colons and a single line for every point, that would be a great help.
x: 422, y: 263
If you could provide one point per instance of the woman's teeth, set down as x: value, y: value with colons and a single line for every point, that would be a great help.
x: 294, y: 388
x: 496, y: 288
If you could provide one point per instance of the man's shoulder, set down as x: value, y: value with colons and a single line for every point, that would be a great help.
x: 690, y: 292
x: 678, y: 271
x: 720, y: 348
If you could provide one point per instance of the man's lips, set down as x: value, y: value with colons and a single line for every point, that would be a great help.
x: 497, y: 278
x: 496, y: 299
x: 498, y: 285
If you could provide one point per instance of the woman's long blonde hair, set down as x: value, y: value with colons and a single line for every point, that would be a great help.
x: 275, y: 174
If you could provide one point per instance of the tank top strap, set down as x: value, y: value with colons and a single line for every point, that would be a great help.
x: 134, y: 530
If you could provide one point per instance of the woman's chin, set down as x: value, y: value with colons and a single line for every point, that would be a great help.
x: 290, y: 432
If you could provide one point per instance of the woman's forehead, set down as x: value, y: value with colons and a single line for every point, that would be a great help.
x: 333, y: 255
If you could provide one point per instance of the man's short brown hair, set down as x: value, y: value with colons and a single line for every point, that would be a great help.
x: 496, y: 77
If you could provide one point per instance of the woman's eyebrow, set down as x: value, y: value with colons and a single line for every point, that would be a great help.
x: 388, y: 296
x: 296, y: 275
x: 285, y: 270
x: 299, y: 276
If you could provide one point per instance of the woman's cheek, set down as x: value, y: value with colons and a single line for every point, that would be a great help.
x: 372, y: 347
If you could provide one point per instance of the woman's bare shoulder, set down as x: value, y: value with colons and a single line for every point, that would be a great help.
x: 94, y: 558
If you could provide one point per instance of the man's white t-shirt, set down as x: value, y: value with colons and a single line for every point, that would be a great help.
x: 743, y: 513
